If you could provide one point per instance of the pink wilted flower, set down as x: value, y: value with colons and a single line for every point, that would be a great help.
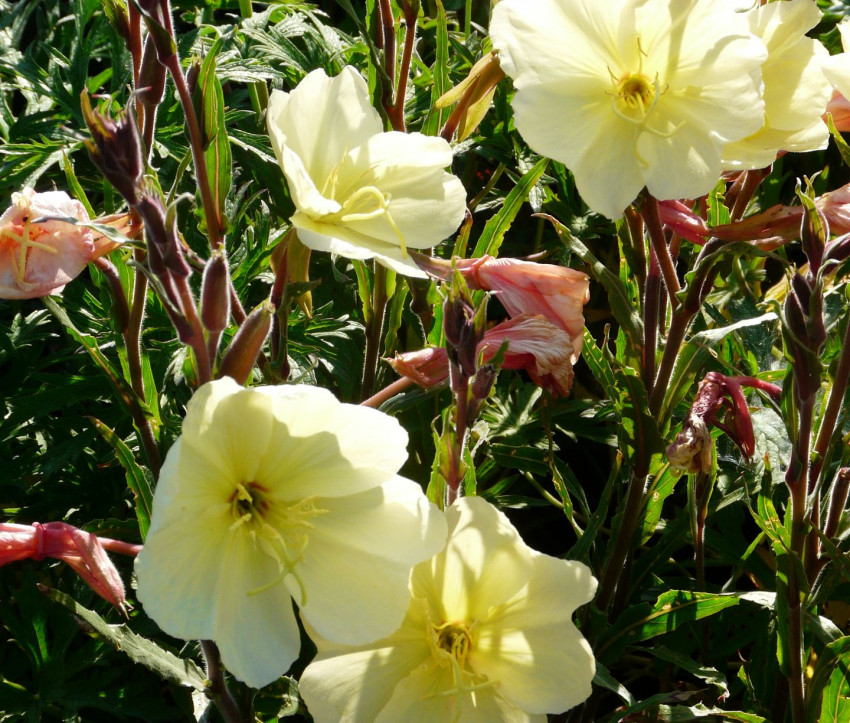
x: 38, y: 257
x: 557, y: 293
x: 83, y: 551
x: 534, y: 344
x: 691, y: 450
x: 839, y: 107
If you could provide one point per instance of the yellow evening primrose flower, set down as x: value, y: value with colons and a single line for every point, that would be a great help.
x: 274, y: 493
x: 487, y: 637
x: 631, y: 93
x: 795, y: 89
x: 360, y: 192
x: 837, y: 67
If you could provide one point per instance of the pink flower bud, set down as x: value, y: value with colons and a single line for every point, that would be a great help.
x: 83, y: 551
x: 681, y: 218
x: 38, y: 257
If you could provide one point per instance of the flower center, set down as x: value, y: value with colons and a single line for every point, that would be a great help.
x: 455, y: 639
x: 451, y: 643
x: 20, y: 239
x: 365, y: 203
x: 635, y: 95
x: 279, y: 529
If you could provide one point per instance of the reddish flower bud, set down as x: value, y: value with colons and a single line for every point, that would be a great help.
x: 681, y: 218
x: 116, y: 149
x: 239, y: 359
x: 215, y: 293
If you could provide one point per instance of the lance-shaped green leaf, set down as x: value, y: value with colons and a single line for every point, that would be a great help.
x: 137, y: 480
x: 208, y: 100
x: 495, y: 229
x: 141, y: 650
x: 626, y: 315
x: 670, y: 611
x: 829, y: 690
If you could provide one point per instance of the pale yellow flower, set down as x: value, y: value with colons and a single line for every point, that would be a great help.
x: 795, y: 89
x: 631, y: 93
x: 360, y: 192
x: 275, y: 493
x: 487, y: 638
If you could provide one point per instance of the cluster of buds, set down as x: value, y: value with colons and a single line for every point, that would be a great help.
x: 83, y: 551
x: 691, y: 451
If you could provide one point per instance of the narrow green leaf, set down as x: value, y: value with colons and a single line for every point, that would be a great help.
x: 710, y: 675
x: 137, y: 480
x: 829, y: 689
x: 673, y: 609
x: 141, y: 650
x: 208, y: 100
x: 440, y: 74
x: 495, y: 229
x: 621, y: 306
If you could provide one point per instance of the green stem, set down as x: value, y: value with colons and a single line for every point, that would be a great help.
x: 218, y: 690
x: 374, y: 327
x: 614, y: 566
x: 211, y: 210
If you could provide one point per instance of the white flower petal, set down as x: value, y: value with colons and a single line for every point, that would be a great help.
x: 229, y: 424
x: 422, y: 698
x: 256, y: 632
x: 345, y: 242
x: 322, y: 119
x: 426, y: 203
x: 326, y: 448
x: 356, y: 567
x: 542, y: 662
x: 485, y: 562
x: 352, y: 685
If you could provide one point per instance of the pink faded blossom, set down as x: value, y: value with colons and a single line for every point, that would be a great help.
x: 839, y: 107
x: 557, y: 293
x: 83, y: 551
x: 534, y: 344
x: 38, y: 258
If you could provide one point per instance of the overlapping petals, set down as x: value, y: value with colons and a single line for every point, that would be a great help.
x: 280, y: 492
x: 487, y: 637
x: 647, y: 93
x: 39, y: 257
x: 360, y: 192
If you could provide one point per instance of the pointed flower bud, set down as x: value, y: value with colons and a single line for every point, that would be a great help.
x: 115, y: 148
x: 239, y: 359
x: 215, y: 293
x: 473, y: 94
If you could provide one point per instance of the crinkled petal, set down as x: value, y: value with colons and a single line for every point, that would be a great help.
x: 484, y: 564
x: 356, y: 567
x: 426, y: 696
x: 352, y: 684
x: 324, y: 448
x: 529, y: 644
x: 229, y: 425
x: 322, y: 119
x: 256, y: 632
x: 686, y: 165
x: 426, y: 203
